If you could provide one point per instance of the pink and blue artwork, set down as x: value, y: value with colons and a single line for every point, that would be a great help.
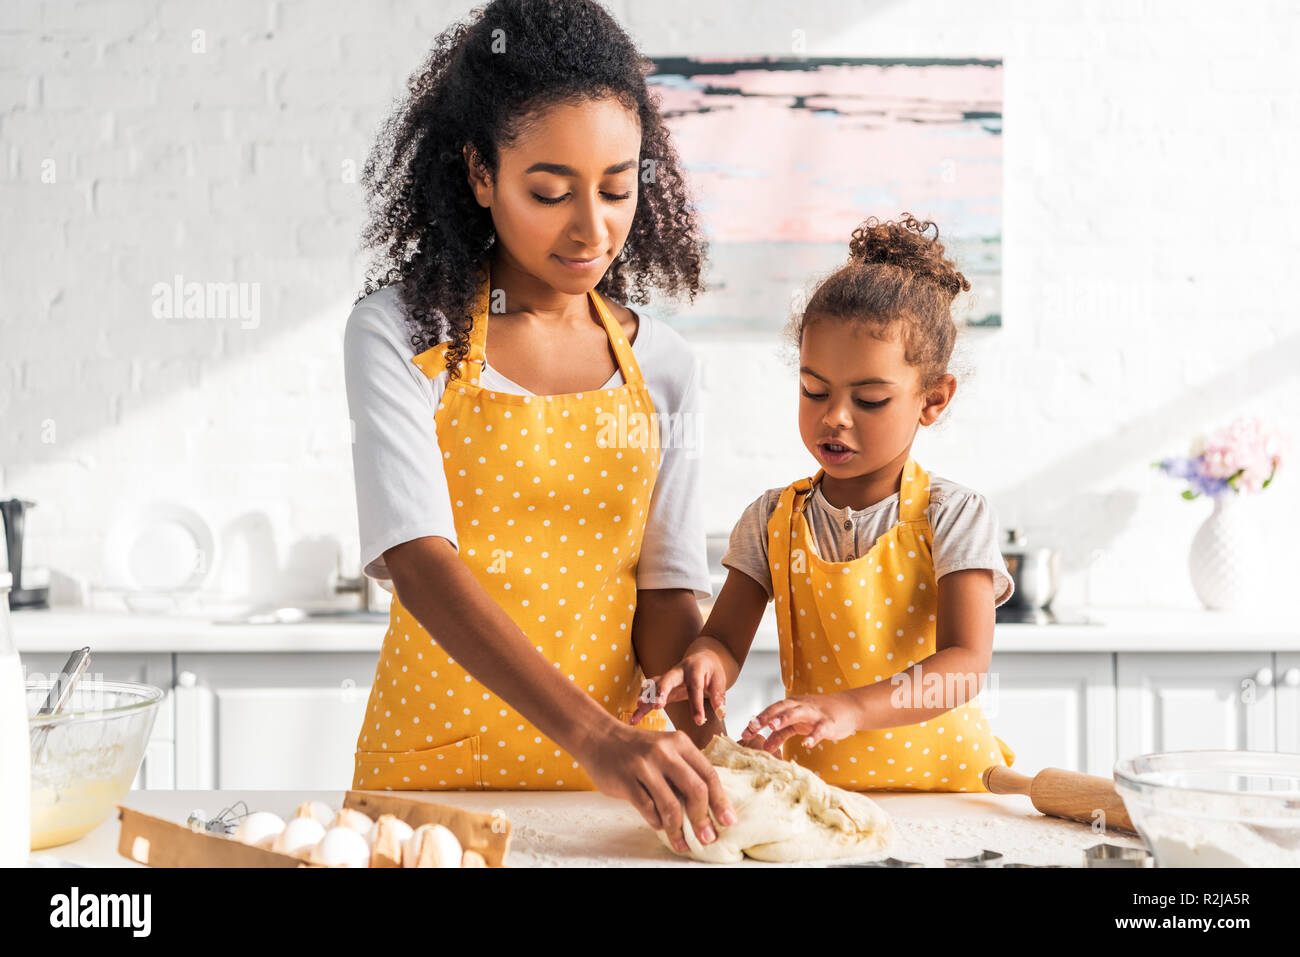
x: 786, y: 157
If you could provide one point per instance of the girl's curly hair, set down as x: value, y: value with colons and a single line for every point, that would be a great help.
x: 485, y: 80
x: 895, y: 274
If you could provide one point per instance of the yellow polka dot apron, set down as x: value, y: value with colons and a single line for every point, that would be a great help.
x: 847, y: 624
x: 550, y: 494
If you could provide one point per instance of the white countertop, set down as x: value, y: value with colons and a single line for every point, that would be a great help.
x: 1118, y: 629
x: 585, y: 828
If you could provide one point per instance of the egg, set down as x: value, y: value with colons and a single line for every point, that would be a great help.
x: 299, y: 834
x: 386, y: 839
x: 354, y: 819
x: 391, y: 823
x: 341, y: 847
x: 259, y: 828
x: 431, y: 845
x: 316, y: 809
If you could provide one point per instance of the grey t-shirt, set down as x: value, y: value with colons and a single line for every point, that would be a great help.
x: 963, y: 526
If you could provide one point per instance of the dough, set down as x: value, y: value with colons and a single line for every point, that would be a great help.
x: 785, y: 812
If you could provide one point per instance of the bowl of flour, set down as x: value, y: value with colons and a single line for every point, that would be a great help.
x: 1215, y: 808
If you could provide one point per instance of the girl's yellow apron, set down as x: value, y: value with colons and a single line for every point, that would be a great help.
x: 551, y: 494
x: 847, y: 624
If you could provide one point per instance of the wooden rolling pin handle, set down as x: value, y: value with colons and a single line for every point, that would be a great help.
x: 1066, y: 794
x: 1000, y: 779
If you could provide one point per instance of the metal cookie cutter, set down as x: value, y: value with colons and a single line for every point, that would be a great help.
x: 1117, y: 855
x: 887, y: 862
x: 982, y: 859
x: 1035, y: 865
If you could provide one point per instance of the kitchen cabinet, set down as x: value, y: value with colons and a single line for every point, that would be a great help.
x: 281, y: 706
x: 274, y: 720
x: 1185, y: 702
x: 157, y: 769
x: 1286, y: 678
x: 1053, y: 710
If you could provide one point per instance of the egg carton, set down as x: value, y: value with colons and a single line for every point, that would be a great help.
x: 158, y: 842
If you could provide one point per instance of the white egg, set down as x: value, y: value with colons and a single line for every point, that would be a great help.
x: 316, y: 809
x: 431, y: 845
x: 301, y: 832
x: 259, y: 828
x: 399, y: 827
x: 341, y: 847
x: 357, y: 820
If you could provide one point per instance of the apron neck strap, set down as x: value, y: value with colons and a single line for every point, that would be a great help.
x: 780, y: 549
x: 477, y: 352
x: 627, y: 364
x: 803, y: 490
x: 913, y: 492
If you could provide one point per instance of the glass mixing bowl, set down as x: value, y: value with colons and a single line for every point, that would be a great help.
x: 90, y: 757
x: 1215, y: 808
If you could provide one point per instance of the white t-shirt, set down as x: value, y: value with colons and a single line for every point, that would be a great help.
x: 962, y: 522
x: 402, y: 490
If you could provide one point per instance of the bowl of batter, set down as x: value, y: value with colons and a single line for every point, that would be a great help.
x: 89, y: 757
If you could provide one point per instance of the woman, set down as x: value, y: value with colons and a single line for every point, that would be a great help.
x: 544, y: 551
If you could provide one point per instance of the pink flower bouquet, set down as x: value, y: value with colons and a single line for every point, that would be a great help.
x: 1244, y: 457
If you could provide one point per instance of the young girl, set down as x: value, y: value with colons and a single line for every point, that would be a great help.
x: 885, y: 577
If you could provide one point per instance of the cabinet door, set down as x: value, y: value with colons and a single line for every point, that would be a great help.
x: 1053, y: 710
x: 1184, y: 702
x: 1287, y: 682
x: 283, y: 721
x: 152, y: 669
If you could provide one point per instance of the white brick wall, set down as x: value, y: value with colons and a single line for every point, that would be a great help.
x: 1152, y: 222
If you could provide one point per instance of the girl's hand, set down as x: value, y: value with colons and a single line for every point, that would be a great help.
x: 665, y: 777
x: 818, y: 717
x: 695, y: 676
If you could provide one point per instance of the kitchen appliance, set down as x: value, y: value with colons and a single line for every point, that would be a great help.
x: 1215, y: 808
x: 15, y: 746
x: 1035, y: 572
x: 1065, y: 794
x: 31, y: 584
x: 91, y: 757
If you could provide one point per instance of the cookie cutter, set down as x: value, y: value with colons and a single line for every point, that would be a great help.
x: 982, y: 859
x: 887, y: 862
x: 1117, y: 855
x: 1035, y: 865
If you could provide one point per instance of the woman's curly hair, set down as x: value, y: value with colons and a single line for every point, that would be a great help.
x: 481, y: 85
x: 895, y: 274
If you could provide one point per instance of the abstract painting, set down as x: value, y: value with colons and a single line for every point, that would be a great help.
x: 786, y: 157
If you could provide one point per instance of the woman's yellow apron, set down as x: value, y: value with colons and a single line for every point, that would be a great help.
x: 550, y: 494
x: 847, y: 624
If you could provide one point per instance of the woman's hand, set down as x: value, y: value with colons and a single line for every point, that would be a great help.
x: 659, y: 772
x: 818, y: 717
x: 695, y: 676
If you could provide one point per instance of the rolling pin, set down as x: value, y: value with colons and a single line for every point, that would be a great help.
x: 1066, y: 794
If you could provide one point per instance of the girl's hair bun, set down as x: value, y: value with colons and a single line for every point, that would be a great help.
x: 905, y: 245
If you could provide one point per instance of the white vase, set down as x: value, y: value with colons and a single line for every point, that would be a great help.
x: 1225, y: 561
